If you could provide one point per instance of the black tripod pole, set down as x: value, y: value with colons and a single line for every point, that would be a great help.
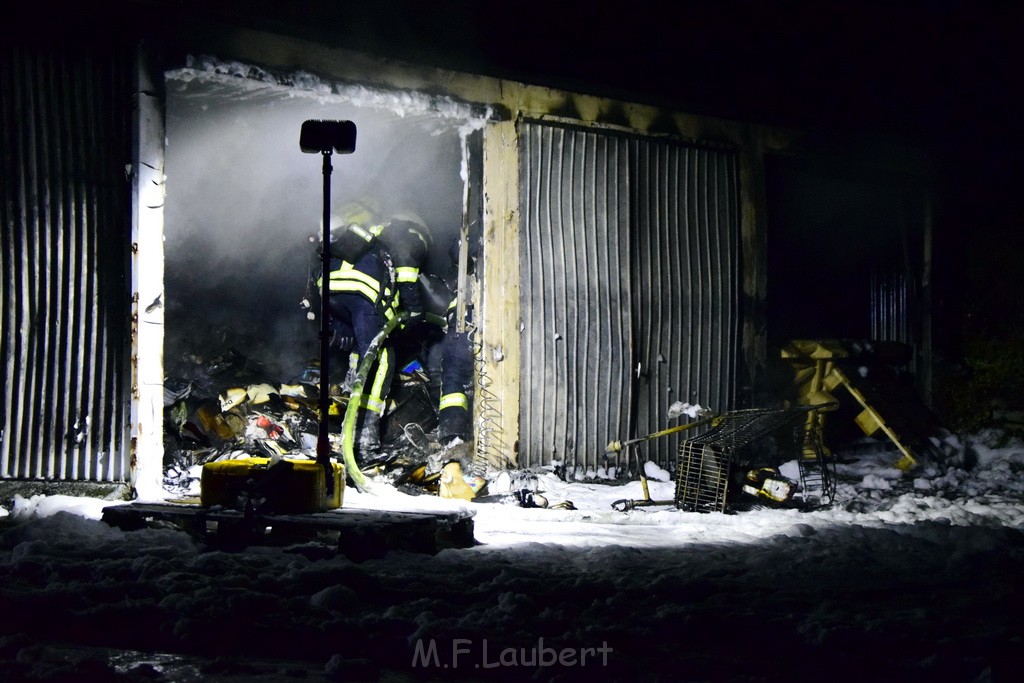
x: 323, y: 442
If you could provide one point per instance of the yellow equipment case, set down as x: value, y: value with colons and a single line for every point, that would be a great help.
x: 285, y: 486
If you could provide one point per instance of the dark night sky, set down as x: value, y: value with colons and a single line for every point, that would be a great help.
x: 935, y: 72
x: 938, y: 76
x: 941, y: 76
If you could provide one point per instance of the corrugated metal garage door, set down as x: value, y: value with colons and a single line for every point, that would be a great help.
x: 630, y: 289
x: 65, y: 210
x: 686, y: 283
x: 576, y: 304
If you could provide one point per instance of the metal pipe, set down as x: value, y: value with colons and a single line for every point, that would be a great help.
x: 323, y: 443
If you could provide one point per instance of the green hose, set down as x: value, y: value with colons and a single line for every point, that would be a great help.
x: 348, y: 427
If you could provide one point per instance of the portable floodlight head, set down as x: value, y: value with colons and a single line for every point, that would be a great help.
x: 328, y: 136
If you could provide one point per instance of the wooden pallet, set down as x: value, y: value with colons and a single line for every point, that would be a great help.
x: 357, y: 534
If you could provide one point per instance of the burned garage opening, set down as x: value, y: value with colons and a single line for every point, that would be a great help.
x: 242, y: 222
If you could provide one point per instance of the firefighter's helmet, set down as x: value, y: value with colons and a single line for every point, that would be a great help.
x: 413, y: 223
x: 354, y: 229
x: 364, y: 212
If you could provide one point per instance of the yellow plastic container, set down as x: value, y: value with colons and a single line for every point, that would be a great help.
x: 289, y: 486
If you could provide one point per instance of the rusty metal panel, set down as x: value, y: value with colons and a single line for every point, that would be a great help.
x: 686, y: 296
x: 575, y: 294
x: 65, y: 211
x: 630, y: 290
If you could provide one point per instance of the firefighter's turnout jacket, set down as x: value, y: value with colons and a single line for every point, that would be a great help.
x: 408, y: 245
x: 374, y: 275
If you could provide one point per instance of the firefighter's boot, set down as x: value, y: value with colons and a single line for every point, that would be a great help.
x: 369, y: 436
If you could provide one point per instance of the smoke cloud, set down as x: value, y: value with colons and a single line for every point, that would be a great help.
x: 243, y: 203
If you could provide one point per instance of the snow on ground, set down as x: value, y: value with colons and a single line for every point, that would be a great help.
x: 906, y: 577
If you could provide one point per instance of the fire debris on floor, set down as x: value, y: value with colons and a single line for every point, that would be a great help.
x: 240, y: 458
x: 227, y: 407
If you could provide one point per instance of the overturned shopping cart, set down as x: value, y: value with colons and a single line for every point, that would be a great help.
x: 707, y: 459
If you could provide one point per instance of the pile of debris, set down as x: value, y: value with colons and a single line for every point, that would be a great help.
x: 226, y: 407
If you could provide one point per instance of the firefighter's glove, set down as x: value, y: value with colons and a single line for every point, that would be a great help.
x: 341, y: 342
x: 350, y: 376
x: 349, y: 381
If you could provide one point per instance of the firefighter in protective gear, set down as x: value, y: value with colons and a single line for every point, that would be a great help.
x: 374, y: 270
x: 455, y: 424
x: 455, y: 414
x: 361, y: 301
x: 407, y: 241
x: 454, y: 420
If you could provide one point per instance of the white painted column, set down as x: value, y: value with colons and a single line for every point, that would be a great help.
x: 147, y: 283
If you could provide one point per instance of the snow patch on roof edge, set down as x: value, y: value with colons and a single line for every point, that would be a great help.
x: 255, y: 80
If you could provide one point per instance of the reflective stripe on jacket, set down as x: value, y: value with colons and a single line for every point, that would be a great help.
x: 348, y: 278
